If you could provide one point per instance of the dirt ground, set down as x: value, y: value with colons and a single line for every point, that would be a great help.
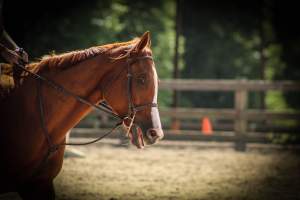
x: 178, y: 171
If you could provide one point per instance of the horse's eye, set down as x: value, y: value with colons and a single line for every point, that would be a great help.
x: 141, y: 79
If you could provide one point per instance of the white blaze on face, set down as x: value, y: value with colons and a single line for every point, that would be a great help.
x: 154, y: 110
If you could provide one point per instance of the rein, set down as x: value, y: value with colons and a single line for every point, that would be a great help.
x: 132, y: 109
x: 103, y: 107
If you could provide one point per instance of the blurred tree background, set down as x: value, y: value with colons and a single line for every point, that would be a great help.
x: 241, y: 40
x: 233, y: 39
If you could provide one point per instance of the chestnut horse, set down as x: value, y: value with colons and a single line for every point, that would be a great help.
x: 95, y: 74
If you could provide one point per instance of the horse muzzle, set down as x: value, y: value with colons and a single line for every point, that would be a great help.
x: 153, y: 135
x: 141, y: 134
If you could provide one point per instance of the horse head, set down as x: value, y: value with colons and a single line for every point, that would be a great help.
x: 133, y: 93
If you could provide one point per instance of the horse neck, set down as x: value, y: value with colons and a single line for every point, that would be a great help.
x: 83, y: 79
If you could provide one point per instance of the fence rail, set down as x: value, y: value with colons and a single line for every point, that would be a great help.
x: 188, y: 135
x: 253, y: 114
x: 227, y: 85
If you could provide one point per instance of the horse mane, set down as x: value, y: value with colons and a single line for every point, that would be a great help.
x: 61, y: 61
x: 64, y: 60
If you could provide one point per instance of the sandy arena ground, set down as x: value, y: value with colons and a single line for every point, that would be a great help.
x: 178, y: 171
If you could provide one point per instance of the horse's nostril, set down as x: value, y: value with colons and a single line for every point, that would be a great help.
x: 153, y: 133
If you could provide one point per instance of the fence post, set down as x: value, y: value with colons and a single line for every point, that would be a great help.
x: 240, y: 125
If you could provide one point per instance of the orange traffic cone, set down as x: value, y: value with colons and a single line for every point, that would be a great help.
x: 206, y: 126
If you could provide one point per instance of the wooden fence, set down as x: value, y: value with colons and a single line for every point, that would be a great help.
x: 240, y: 114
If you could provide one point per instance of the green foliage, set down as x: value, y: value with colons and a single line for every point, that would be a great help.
x: 226, y: 40
x: 276, y: 101
x: 103, y: 21
x: 217, y: 47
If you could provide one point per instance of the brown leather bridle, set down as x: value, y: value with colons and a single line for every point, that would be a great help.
x: 132, y: 108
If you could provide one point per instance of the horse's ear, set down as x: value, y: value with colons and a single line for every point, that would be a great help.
x: 145, y: 41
